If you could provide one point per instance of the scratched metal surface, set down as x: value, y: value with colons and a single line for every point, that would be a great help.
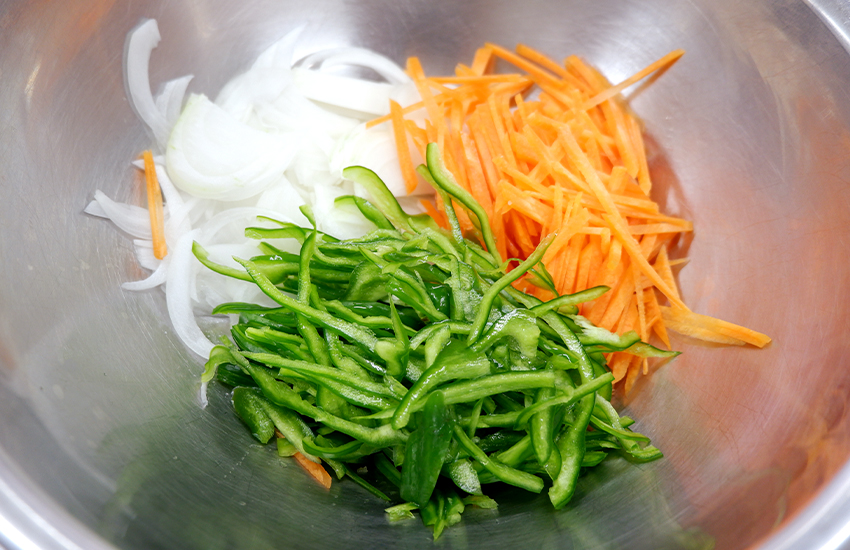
x: 102, y: 445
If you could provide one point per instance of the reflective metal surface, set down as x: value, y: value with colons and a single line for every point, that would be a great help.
x: 101, y: 442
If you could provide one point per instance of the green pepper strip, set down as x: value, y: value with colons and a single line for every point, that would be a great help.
x: 627, y: 438
x: 347, y: 393
x: 517, y: 453
x: 426, y: 451
x: 473, y: 390
x: 567, y: 397
x: 520, y: 325
x: 456, y: 327
x: 365, y: 484
x: 386, y: 350
x: 499, y: 420
x: 367, y: 209
x: 410, y: 284
x: 325, y: 237
x: 281, y: 394
x: 446, y: 181
x: 472, y: 425
x: 313, y: 369
x: 571, y: 299
x: 441, y: 242
x: 372, y: 322
x: 542, y: 430
x: 448, y: 207
x: 455, y: 362
x: 328, y: 399
x: 490, y: 295
x: 287, y: 422
x: 505, y: 473
x: 571, y: 447
x: 349, y: 450
x: 383, y: 464
x: 463, y: 474
x: 272, y: 336
x: 247, y: 405
x: 436, y: 344
x: 289, y: 231
x: 386, y: 202
x: 314, y: 342
x: 219, y: 355
x: 443, y: 510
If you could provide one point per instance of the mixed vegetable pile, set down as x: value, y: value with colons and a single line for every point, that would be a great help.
x: 437, y: 353
x: 409, y: 349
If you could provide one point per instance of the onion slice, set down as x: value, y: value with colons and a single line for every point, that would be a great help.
x: 140, y: 44
x: 358, y: 57
x: 362, y: 96
x: 178, y: 299
x: 213, y: 155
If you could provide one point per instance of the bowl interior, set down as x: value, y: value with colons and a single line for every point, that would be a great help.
x: 100, y: 434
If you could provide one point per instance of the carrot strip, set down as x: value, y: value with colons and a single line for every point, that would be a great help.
x: 483, y: 61
x: 155, y: 207
x: 589, y: 257
x: 714, y: 330
x: 414, y: 67
x: 533, y: 55
x: 436, y: 214
x: 407, y: 169
x: 662, y: 264
x: 316, y: 471
x: 478, y: 80
x: 475, y: 174
x: 632, y: 373
x: 664, y: 62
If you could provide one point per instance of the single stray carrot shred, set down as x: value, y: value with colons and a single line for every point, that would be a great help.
x: 315, y: 470
x: 155, y: 207
x: 569, y: 159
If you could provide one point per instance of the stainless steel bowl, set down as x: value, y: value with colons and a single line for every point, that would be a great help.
x: 101, y: 442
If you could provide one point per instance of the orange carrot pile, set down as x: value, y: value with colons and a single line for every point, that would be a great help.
x: 572, y: 161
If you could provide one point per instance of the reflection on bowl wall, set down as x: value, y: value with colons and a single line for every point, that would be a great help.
x: 102, y: 443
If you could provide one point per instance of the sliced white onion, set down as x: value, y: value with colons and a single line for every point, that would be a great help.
x: 129, y: 218
x: 284, y: 199
x: 373, y: 148
x: 144, y: 254
x: 359, y: 57
x: 140, y: 44
x: 170, y: 101
x: 93, y: 208
x: 292, y: 112
x: 370, y: 98
x: 155, y: 279
x: 263, y: 82
x: 177, y: 297
x: 213, y: 155
x: 212, y: 228
x: 178, y: 222
x: 339, y: 222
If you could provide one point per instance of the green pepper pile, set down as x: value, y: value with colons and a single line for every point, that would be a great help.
x: 408, y: 352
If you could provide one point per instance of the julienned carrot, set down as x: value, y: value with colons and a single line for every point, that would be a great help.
x: 408, y: 171
x: 316, y: 471
x: 570, y: 161
x: 613, y: 91
x: 155, y: 207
